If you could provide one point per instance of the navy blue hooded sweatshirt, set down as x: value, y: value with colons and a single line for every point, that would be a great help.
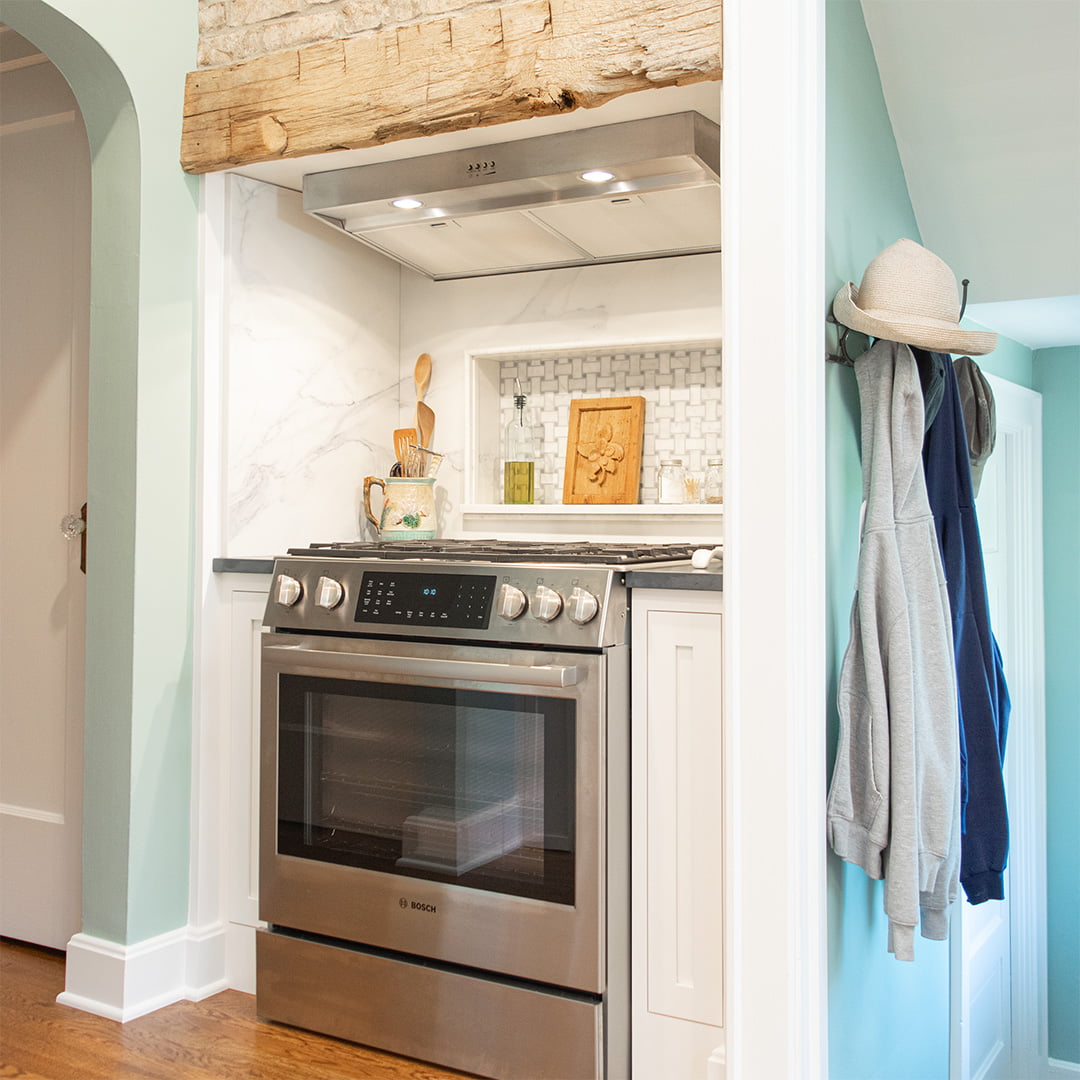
x: 982, y: 693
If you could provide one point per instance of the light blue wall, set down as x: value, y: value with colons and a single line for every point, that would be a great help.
x: 876, y: 1003
x: 127, y: 72
x: 887, y: 1020
x: 1057, y: 377
x: 1010, y: 360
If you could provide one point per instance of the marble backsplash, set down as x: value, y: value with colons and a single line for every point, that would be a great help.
x: 311, y: 373
x: 321, y: 335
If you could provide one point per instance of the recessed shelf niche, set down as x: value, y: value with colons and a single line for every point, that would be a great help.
x: 682, y: 385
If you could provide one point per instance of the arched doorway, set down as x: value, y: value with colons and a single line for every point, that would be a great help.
x: 44, y: 344
x: 124, y: 65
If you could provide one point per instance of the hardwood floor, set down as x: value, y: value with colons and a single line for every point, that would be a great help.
x: 216, y: 1039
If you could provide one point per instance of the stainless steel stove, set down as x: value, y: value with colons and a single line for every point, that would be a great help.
x: 566, y: 594
x: 444, y: 849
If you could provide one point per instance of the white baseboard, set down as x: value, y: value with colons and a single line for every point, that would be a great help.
x: 1062, y: 1070
x: 240, y: 953
x: 122, y: 982
x: 716, y: 1066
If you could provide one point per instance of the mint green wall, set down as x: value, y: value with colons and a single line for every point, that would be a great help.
x: 876, y: 1003
x: 1057, y: 378
x: 1010, y: 360
x: 887, y: 1020
x: 127, y: 72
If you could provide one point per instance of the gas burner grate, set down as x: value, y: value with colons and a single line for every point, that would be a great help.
x: 508, y: 551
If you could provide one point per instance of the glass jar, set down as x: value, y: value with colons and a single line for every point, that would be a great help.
x: 714, y: 481
x: 670, y: 481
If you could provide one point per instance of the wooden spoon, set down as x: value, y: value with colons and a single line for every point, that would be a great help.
x: 425, y: 423
x: 422, y: 375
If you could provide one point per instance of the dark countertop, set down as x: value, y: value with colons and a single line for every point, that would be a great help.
x: 679, y: 576
x: 243, y: 566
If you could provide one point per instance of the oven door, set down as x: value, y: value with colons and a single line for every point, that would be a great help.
x: 444, y: 801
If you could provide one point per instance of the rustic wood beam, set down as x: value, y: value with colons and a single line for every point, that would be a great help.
x: 487, y: 65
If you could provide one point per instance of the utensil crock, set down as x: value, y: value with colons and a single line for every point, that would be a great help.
x: 408, y: 509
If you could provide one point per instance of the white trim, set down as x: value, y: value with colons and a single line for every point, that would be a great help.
x: 1026, y: 754
x: 1019, y: 420
x: 1061, y: 1070
x: 17, y: 127
x: 122, y: 982
x: 30, y: 60
x: 207, y: 948
x: 50, y: 817
x: 208, y: 865
x: 774, y: 300
x: 716, y: 1066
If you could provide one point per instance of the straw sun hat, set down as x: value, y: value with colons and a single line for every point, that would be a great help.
x: 909, y: 295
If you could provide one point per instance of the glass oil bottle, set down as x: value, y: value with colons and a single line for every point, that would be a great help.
x: 519, y: 463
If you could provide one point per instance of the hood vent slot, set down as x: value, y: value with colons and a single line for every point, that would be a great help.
x: 524, y: 205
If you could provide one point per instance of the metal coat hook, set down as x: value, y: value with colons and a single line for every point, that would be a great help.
x: 841, y: 343
x: 963, y: 300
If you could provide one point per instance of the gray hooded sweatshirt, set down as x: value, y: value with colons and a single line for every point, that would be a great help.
x: 894, y: 800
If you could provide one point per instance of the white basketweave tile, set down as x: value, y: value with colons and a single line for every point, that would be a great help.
x: 683, y: 404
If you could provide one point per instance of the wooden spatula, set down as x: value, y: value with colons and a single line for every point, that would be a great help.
x: 402, y: 438
x: 425, y: 422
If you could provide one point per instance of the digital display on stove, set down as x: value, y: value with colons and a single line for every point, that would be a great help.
x: 391, y: 598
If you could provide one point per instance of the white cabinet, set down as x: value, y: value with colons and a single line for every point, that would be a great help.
x: 225, y: 842
x: 246, y: 630
x: 677, y: 829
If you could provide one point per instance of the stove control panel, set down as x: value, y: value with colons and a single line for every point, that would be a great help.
x: 554, y: 606
x: 397, y: 598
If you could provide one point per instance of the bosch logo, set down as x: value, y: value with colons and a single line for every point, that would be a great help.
x: 416, y: 905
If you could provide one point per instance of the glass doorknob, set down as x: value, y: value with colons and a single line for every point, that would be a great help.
x: 72, y: 526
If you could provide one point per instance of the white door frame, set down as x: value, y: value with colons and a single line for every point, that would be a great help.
x: 773, y: 169
x: 1019, y: 422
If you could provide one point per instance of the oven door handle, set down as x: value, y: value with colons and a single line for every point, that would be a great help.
x: 472, y: 670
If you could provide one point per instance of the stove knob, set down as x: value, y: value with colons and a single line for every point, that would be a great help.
x: 547, y: 603
x: 582, y: 606
x: 512, y: 602
x: 330, y: 593
x: 289, y: 590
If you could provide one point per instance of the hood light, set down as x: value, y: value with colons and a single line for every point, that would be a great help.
x: 597, y: 176
x: 407, y: 204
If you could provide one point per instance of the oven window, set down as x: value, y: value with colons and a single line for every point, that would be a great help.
x: 457, y: 786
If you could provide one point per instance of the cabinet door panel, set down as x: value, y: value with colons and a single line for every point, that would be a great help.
x: 678, y: 828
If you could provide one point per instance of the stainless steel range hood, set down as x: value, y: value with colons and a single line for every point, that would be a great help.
x: 529, y: 204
